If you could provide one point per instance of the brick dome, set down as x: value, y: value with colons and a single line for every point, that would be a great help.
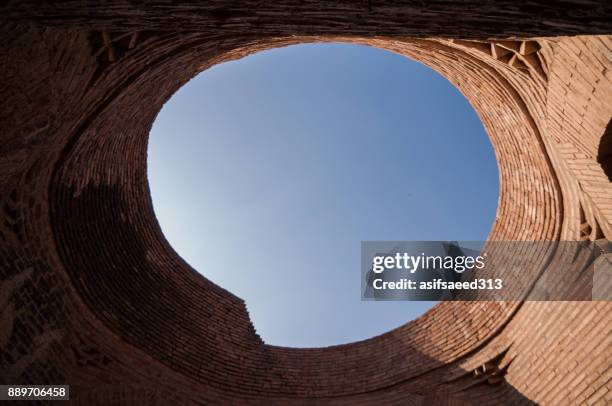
x: 92, y: 294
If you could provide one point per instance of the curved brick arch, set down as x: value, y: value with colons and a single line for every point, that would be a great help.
x: 110, y: 308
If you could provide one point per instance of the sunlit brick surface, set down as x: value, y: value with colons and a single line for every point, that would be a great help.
x: 92, y: 295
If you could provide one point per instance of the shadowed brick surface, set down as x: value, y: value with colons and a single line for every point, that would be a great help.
x: 92, y: 294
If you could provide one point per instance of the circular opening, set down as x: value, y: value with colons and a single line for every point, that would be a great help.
x: 266, y: 173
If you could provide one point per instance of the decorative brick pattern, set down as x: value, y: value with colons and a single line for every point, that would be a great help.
x: 92, y: 294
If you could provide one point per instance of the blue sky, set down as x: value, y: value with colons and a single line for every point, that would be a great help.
x: 266, y: 173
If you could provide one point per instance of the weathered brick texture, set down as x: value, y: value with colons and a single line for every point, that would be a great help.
x: 92, y: 294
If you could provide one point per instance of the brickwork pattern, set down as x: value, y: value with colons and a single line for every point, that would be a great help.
x: 92, y: 294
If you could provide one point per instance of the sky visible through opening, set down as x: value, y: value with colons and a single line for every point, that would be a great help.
x: 266, y: 173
